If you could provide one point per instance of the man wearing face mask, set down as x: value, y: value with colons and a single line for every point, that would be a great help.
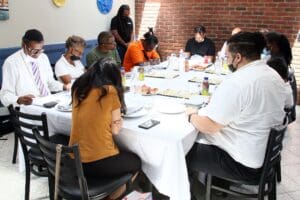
x: 27, y: 73
x: 69, y: 66
x: 200, y: 44
x: 234, y: 126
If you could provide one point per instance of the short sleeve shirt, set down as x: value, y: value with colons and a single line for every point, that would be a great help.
x: 91, y: 125
x: 248, y: 103
x: 136, y: 54
x: 95, y: 55
x: 63, y: 67
x: 205, y: 48
x: 124, y: 26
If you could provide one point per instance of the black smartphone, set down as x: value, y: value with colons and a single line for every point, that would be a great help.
x: 149, y: 124
x: 50, y: 104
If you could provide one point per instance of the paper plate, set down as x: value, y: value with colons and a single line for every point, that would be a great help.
x: 172, y: 108
x: 59, y: 3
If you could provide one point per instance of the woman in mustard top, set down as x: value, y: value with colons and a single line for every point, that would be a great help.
x: 97, y: 99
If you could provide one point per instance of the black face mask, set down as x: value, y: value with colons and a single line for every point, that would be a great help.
x: 74, y: 58
x: 231, y: 67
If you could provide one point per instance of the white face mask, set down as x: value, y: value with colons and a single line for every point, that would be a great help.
x: 30, y: 59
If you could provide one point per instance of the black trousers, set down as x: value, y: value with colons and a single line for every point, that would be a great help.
x: 121, y: 51
x: 213, y: 160
x: 114, y: 166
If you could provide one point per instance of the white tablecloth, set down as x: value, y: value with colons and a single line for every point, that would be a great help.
x: 161, y: 148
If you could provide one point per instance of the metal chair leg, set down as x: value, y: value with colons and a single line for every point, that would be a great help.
x: 15, y: 149
x: 208, y: 187
x: 27, y: 181
x: 278, y: 172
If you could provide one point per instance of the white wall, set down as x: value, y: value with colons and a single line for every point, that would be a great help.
x: 77, y: 17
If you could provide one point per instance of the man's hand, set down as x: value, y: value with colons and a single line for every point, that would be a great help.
x: 67, y: 87
x: 26, y: 100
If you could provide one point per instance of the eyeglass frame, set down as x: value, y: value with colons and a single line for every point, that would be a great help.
x: 37, y: 51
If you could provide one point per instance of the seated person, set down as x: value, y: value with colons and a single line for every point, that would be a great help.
x: 97, y: 99
x: 234, y: 129
x: 201, y: 45
x: 106, y: 49
x: 141, y: 51
x: 28, y: 73
x: 222, y: 53
x: 69, y: 66
x: 279, y: 46
x: 279, y: 65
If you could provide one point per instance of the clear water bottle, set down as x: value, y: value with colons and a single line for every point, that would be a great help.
x: 123, y: 76
x: 205, y: 86
x: 181, y: 60
x: 141, y: 73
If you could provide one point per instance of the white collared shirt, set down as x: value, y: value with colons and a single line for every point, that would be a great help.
x: 248, y: 103
x: 63, y: 67
x: 18, y: 79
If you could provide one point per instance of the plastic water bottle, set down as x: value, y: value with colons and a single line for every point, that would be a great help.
x: 181, y: 60
x: 141, y: 73
x: 205, y: 86
x: 123, y: 76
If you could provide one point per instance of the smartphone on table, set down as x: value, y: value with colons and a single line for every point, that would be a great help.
x: 149, y: 124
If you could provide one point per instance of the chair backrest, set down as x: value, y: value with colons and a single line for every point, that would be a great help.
x: 272, y: 156
x: 70, y: 172
x: 23, y: 124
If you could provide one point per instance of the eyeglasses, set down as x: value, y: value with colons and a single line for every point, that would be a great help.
x: 34, y: 51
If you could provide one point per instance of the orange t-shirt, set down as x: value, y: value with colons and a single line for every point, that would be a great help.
x: 134, y: 55
x: 91, y: 125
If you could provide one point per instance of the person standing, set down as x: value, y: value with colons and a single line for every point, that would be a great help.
x: 27, y: 73
x: 122, y: 29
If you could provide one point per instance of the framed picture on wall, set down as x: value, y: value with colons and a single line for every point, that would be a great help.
x: 4, y: 10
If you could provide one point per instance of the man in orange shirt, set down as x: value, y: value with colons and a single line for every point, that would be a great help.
x: 141, y: 51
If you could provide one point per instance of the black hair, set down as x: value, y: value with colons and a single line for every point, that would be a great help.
x: 249, y: 45
x: 75, y: 41
x: 150, y: 38
x: 279, y: 65
x: 102, y: 73
x: 199, y: 29
x: 103, y: 37
x: 33, y: 35
x: 121, y: 10
x: 283, y: 45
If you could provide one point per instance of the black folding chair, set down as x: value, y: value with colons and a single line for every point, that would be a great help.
x: 67, y: 172
x: 34, y: 162
x: 7, y: 127
x: 268, y: 175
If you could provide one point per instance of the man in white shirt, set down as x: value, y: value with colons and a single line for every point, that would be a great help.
x: 27, y: 73
x: 235, y: 125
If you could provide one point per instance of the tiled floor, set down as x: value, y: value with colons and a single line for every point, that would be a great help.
x: 12, y: 182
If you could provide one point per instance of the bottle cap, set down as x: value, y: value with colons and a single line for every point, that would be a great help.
x: 206, y: 78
